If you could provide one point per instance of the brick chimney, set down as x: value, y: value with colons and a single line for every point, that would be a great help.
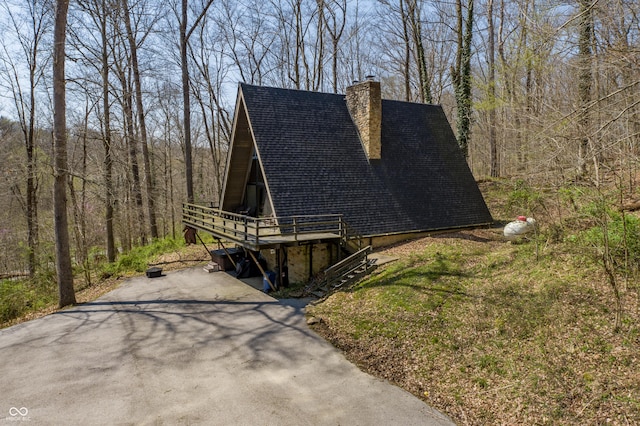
x: 364, y: 102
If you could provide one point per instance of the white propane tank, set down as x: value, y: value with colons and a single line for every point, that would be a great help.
x: 519, y: 227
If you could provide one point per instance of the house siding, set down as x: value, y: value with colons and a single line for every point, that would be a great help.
x: 309, y: 260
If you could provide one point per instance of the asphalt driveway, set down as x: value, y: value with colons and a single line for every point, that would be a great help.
x: 189, y: 348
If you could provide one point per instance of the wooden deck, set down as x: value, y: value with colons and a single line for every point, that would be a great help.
x: 258, y: 233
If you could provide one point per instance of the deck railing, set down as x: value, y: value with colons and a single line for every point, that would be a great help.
x: 348, y: 269
x: 254, y: 231
x: 343, y: 273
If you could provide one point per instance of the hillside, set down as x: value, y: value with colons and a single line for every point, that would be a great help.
x: 492, y: 332
x: 541, y: 331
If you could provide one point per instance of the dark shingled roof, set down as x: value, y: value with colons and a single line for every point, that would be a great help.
x: 314, y: 163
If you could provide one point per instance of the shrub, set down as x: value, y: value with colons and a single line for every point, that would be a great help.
x: 622, y: 238
x: 523, y: 198
x: 20, y: 296
x: 138, y: 258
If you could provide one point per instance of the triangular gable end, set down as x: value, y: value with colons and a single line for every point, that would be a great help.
x: 311, y: 154
x: 245, y: 189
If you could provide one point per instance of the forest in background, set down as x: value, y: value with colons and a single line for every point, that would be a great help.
x: 546, y: 91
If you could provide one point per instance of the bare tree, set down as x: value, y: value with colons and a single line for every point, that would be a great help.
x: 66, y: 293
x: 461, y: 73
x: 79, y: 201
x: 585, y: 78
x: 247, y: 37
x: 123, y: 71
x: 102, y: 22
x: 414, y: 15
x: 299, y: 46
x: 416, y: 47
x: 207, y: 88
x: 170, y: 122
x: 101, y: 16
x: 133, y: 48
x: 185, y: 34
x: 334, y: 16
x: 30, y: 37
x: 406, y: 38
x: 491, y: 59
x: 397, y: 42
x: 355, y: 56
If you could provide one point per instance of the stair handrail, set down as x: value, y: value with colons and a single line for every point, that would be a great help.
x: 346, y: 264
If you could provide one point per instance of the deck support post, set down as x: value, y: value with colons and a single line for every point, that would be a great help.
x: 264, y: 274
x: 280, y: 265
x: 228, y: 254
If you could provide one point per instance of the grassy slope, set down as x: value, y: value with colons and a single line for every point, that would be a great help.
x: 494, y: 333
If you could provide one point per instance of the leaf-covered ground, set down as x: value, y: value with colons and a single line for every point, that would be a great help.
x: 491, y: 332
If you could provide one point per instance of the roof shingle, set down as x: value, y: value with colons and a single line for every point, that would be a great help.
x: 314, y: 163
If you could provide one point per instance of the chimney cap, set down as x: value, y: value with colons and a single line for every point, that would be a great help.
x: 370, y: 77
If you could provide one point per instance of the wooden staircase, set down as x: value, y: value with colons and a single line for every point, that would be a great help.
x: 343, y: 273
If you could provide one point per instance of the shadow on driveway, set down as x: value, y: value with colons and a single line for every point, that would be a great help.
x: 189, y: 348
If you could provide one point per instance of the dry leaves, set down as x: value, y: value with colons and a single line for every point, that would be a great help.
x: 524, y: 345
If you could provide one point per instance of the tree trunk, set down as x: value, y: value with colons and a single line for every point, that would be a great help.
x: 30, y: 44
x: 416, y: 29
x: 184, y: 41
x: 407, y: 53
x: 318, y: 70
x: 132, y: 144
x: 188, y: 160
x: 141, y: 123
x: 66, y: 293
x: 493, y: 145
x: 169, y: 183
x: 462, y: 75
x: 32, y: 180
x: 106, y: 141
x: 584, y: 82
x: 335, y: 32
x: 79, y: 207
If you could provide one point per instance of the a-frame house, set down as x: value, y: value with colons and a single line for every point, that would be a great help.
x: 310, y: 173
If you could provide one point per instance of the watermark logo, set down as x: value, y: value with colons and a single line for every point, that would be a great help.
x: 18, y: 413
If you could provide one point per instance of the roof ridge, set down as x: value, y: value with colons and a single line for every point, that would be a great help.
x: 242, y: 84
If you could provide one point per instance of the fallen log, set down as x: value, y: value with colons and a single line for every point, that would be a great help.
x: 631, y: 206
x: 12, y: 275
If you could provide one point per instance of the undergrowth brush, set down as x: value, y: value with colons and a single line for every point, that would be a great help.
x: 137, y: 260
x: 22, y: 299
x: 494, y: 332
x: 20, y: 296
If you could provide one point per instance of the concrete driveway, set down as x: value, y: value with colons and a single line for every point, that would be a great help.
x: 189, y: 348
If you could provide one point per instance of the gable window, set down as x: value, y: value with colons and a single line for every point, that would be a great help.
x: 255, y: 193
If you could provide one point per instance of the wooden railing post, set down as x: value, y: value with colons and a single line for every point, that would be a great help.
x: 295, y: 228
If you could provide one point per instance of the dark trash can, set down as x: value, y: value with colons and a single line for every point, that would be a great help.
x: 221, y: 258
x: 154, y: 272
